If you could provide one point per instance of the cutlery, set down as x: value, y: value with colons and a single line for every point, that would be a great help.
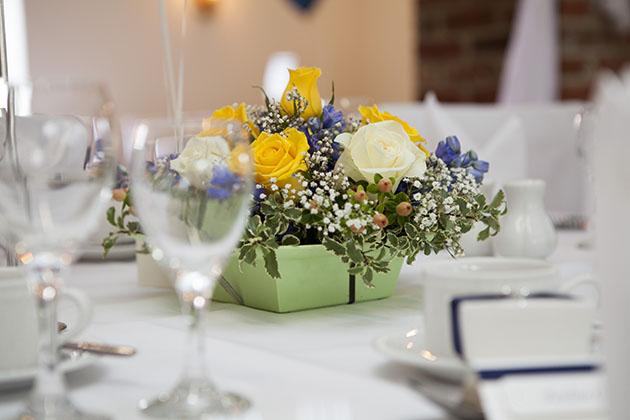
x: 96, y: 348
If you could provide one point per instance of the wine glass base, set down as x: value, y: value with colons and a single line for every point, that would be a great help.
x: 61, y: 409
x: 198, y: 399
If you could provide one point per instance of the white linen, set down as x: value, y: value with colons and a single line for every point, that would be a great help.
x: 506, y: 149
x: 611, y: 178
x: 619, y: 11
x: 531, y: 65
x: 550, y: 139
x: 285, y: 362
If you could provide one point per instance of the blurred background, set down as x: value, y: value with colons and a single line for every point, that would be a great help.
x: 392, y: 51
x: 509, y: 77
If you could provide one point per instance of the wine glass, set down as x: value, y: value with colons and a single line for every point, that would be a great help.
x: 57, y: 166
x: 191, y: 189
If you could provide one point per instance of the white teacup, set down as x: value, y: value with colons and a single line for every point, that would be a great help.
x: 18, y: 319
x: 445, y: 280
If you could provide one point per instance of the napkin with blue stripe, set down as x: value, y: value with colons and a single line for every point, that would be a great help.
x: 533, y: 355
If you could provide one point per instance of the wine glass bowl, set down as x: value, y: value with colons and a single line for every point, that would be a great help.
x: 57, y: 165
x: 191, y: 189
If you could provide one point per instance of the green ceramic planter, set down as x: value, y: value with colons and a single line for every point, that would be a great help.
x: 311, y: 278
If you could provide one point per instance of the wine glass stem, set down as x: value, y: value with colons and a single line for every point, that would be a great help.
x: 49, y: 385
x: 195, y: 363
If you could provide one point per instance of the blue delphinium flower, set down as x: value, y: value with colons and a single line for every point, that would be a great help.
x: 259, y: 196
x: 449, y: 151
x: 330, y: 124
x: 222, y: 183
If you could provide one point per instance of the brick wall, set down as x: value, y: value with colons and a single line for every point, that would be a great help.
x: 463, y: 42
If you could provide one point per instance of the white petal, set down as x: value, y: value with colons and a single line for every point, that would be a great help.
x: 416, y: 170
x: 344, y: 139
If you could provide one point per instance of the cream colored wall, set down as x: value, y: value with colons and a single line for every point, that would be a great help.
x: 366, y: 46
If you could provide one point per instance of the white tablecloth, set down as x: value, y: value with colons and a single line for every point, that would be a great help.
x: 285, y: 363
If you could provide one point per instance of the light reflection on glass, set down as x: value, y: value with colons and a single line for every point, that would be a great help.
x: 411, y: 333
x: 428, y: 355
x: 409, y: 345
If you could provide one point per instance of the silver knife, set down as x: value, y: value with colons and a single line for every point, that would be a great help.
x: 100, y: 348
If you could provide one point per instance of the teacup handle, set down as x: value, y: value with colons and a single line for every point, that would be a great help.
x: 579, y: 280
x: 84, y: 316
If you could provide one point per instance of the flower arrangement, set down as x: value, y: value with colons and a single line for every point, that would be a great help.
x: 367, y: 190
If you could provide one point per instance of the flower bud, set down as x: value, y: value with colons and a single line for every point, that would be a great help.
x: 119, y: 195
x: 403, y: 209
x: 384, y: 185
x: 360, y: 196
x: 356, y: 229
x: 380, y: 220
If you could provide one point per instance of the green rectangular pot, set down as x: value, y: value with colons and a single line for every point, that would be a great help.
x: 311, y: 277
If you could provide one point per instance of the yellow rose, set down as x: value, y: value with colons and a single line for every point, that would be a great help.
x: 228, y: 113
x: 305, y: 80
x: 239, y: 160
x: 279, y: 156
x: 373, y: 114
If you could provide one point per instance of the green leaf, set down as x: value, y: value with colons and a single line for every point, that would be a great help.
x: 411, y: 230
x: 334, y: 246
x: 483, y: 235
x: 332, y: 99
x: 354, y: 254
x: 293, y: 213
x: 267, y: 210
x: 464, y: 210
x: 254, y: 222
x: 111, y: 212
x: 381, y: 253
x: 372, y: 189
x: 497, y: 200
x: 400, y: 197
x: 429, y: 236
x: 271, y: 263
x: 355, y: 269
x: 368, y: 276
x: 392, y: 239
x: 480, y: 199
x: 133, y: 227
x: 267, y: 102
x: 491, y: 222
x: 377, y: 178
x: 271, y: 243
x: 390, y: 206
x: 466, y: 225
x: 290, y: 240
x: 108, y: 243
x: 250, y: 257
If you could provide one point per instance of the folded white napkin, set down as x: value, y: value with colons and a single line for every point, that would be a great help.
x: 611, y: 177
x: 506, y: 149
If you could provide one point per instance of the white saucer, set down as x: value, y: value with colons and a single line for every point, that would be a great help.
x: 71, y: 361
x: 409, y: 347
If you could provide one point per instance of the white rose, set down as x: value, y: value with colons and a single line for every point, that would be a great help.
x: 199, y: 157
x: 380, y: 148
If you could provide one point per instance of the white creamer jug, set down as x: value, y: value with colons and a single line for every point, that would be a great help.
x: 526, y: 229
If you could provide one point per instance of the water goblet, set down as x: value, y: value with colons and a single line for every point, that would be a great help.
x: 191, y: 189
x: 57, y: 163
